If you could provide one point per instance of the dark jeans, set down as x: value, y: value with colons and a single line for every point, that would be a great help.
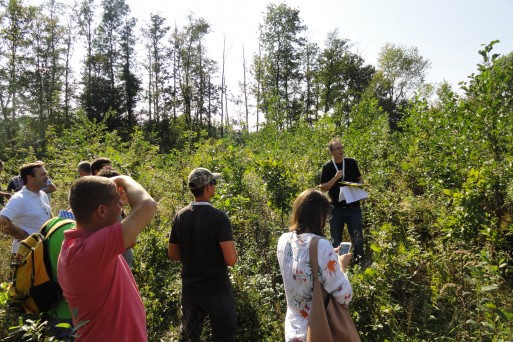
x: 220, y: 309
x: 352, y: 216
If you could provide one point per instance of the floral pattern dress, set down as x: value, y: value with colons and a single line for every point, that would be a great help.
x: 293, y: 257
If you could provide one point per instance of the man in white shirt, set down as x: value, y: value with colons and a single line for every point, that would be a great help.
x: 29, y: 208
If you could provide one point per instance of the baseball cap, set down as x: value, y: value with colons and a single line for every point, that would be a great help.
x: 200, y: 177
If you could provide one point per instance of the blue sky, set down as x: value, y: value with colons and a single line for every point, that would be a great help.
x: 447, y: 32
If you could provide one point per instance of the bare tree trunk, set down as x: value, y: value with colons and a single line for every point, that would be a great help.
x: 150, y: 84
x: 245, y: 89
x: 223, y: 86
x: 201, y: 86
x: 226, y: 104
x: 67, y: 71
x: 259, y: 78
x: 209, y: 112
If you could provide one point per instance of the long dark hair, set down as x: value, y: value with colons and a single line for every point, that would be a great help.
x: 310, y: 212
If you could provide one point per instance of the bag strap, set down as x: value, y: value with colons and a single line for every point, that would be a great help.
x: 56, y: 226
x: 318, y: 325
x: 314, y: 262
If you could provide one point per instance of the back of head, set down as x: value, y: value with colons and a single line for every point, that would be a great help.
x: 84, y: 167
x: 87, y: 193
x: 28, y: 169
x: 98, y: 164
x: 310, y: 212
x: 199, y: 178
x: 108, y: 173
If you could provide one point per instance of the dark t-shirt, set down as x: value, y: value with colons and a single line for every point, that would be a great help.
x: 16, y: 184
x: 199, y: 229
x: 351, y: 174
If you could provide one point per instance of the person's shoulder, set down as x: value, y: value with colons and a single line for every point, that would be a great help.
x: 221, y: 212
x: 16, y: 198
x: 285, y: 236
x: 214, y: 212
x: 324, y: 243
x: 284, y: 239
x: 328, y: 163
x: 183, y: 210
x: 351, y: 161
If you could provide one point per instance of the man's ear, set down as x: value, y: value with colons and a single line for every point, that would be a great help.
x: 100, y: 211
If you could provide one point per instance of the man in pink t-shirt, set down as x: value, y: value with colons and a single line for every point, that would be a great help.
x: 100, y: 289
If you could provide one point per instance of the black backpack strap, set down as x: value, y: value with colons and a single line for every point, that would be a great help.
x: 44, y: 228
x: 46, y: 234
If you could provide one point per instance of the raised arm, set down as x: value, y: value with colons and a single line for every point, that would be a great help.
x: 49, y: 188
x: 329, y: 184
x: 142, y: 205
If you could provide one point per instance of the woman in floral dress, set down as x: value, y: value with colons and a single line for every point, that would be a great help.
x: 309, y: 216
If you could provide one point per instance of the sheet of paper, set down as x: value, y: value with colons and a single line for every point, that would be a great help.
x: 351, y: 194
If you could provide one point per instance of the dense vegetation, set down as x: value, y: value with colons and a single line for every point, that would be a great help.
x: 437, y: 164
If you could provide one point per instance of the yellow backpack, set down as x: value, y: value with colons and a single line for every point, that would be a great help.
x: 32, y: 288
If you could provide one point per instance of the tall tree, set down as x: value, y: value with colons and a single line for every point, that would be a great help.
x: 45, y: 75
x: 86, y: 29
x: 245, y: 89
x: 342, y: 77
x: 401, y: 72
x: 156, y: 65
x: 104, y: 96
x: 130, y: 83
x: 281, y: 79
x: 311, y: 69
x: 16, y: 21
x: 192, y: 56
x: 70, y: 35
x: 174, y: 55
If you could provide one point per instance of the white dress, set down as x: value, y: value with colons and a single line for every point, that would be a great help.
x: 294, y: 260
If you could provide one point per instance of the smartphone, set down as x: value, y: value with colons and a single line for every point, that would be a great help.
x: 344, y: 248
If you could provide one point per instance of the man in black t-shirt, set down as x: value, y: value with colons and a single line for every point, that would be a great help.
x: 337, y: 170
x: 202, y: 239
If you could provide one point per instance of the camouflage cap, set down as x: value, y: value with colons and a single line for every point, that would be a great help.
x: 200, y: 177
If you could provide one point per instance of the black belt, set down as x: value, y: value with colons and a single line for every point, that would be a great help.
x: 348, y: 205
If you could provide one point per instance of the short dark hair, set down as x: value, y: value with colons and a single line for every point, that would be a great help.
x: 85, y: 166
x: 98, y: 164
x: 198, y: 191
x: 108, y: 173
x: 87, y: 193
x: 310, y: 212
x: 28, y: 169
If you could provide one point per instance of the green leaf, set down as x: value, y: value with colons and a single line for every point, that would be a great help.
x: 375, y: 248
x: 489, y: 288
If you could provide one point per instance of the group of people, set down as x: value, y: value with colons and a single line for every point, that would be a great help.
x: 97, y: 282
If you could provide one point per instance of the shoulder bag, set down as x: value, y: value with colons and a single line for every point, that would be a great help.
x: 329, y: 320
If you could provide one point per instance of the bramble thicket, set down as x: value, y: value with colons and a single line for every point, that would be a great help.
x: 437, y: 163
